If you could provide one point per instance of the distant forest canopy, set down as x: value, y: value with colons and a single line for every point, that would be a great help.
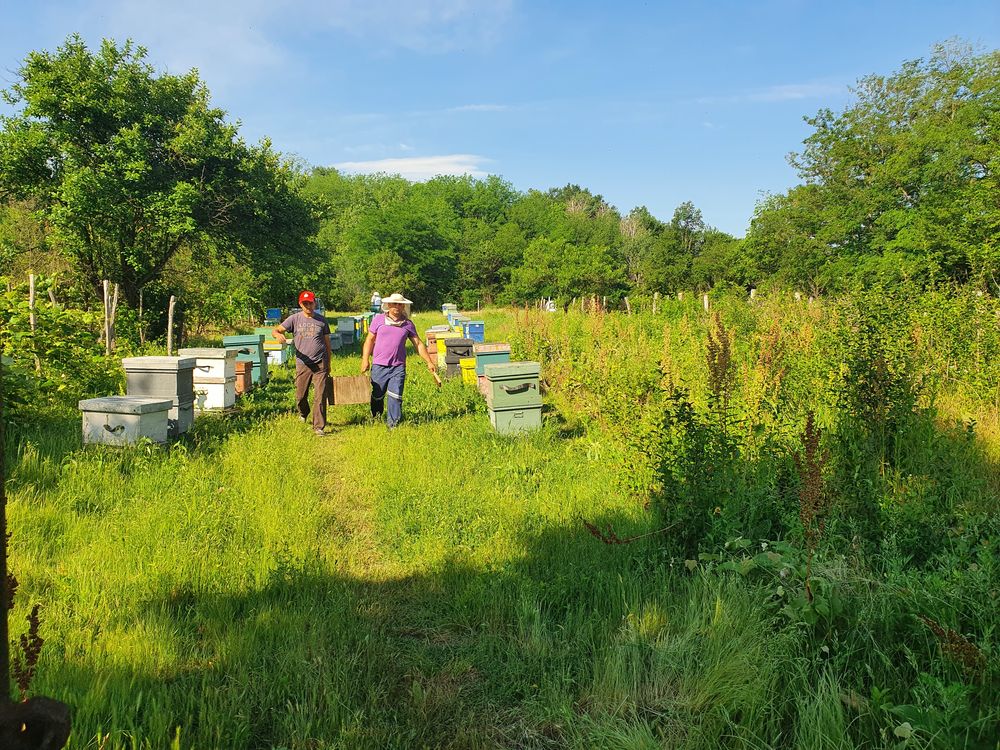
x: 155, y: 191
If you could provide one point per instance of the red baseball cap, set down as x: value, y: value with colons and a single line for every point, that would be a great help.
x: 307, y: 297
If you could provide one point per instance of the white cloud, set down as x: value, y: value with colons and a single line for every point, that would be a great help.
x: 794, y: 91
x: 237, y: 41
x: 779, y: 93
x: 226, y: 40
x: 432, y: 26
x: 420, y: 167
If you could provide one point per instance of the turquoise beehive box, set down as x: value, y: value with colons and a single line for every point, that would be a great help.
x: 250, y: 348
x: 490, y: 354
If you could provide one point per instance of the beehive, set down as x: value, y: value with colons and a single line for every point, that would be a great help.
x: 490, y: 354
x: 214, y: 378
x: 475, y: 330
x: 250, y: 348
x: 164, y: 377
x: 123, y: 420
x: 513, y: 384
x: 457, y: 349
x: 468, y: 365
x: 513, y: 396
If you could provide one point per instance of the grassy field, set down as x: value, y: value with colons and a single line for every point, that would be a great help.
x: 253, y: 586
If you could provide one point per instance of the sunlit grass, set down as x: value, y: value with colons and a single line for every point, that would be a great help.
x: 253, y: 586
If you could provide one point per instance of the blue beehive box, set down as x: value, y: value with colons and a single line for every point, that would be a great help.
x: 475, y: 330
x: 273, y: 315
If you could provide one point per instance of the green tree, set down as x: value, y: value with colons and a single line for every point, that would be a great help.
x: 906, y: 176
x: 129, y: 167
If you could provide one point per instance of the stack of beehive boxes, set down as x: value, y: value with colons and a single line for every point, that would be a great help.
x: 165, y: 378
x: 214, y: 378
x: 513, y: 397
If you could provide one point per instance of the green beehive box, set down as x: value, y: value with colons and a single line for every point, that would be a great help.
x: 514, y: 421
x: 513, y: 385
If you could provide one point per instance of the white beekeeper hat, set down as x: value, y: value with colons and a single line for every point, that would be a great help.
x: 396, y: 298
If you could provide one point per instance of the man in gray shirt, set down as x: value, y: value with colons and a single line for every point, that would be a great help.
x: 311, y: 334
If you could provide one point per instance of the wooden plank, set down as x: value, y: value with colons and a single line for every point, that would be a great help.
x: 351, y: 389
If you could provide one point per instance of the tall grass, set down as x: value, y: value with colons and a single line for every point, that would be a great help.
x: 436, y: 586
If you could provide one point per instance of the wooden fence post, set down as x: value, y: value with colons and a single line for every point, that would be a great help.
x: 111, y: 320
x: 170, y: 324
x: 628, y: 307
x: 704, y: 301
x: 142, y: 328
x: 656, y: 298
x: 107, y: 318
x: 31, y: 319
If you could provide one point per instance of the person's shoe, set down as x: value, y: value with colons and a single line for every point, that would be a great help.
x: 301, y: 418
x: 319, y: 433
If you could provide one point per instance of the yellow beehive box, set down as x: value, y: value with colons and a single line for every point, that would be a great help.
x: 468, y: 365
x: 441, y: 349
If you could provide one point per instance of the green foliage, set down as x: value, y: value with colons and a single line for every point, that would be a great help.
x: 129, y: 167
x: 896, y: 186
x: 71, y: 364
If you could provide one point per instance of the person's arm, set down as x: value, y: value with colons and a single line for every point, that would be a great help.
x: 285, y: 326
x: 424, y: 354
x: 366, y: 351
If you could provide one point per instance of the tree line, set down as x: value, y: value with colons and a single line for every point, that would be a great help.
x: 112, y: 170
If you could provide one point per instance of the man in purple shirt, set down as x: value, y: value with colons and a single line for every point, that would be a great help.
x: 385, y: 350
x: 311, y: 333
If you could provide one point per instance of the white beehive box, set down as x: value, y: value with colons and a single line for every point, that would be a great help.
x: 212, y: 363
x: 123, y: 420
x: 215, y: 393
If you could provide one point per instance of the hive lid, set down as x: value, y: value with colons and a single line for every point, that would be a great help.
x: 475, y: 322
x: 451, y: 343
x: 434, y: 329
x: 512, y: 370
x: 126, y: 404
x: 207, y: 353
x: 491, y: 348
x: 158, y: 363
x: 249, y: 338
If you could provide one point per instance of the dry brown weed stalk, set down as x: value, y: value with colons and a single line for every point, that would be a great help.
x: 813, y: 499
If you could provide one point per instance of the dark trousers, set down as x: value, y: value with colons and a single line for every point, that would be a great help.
x: 387, y: 383
x: 317, y: 373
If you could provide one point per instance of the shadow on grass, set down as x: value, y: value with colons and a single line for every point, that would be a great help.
x: 455, y: 657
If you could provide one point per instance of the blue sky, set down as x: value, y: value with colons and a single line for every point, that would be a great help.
x: 645, y: 103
